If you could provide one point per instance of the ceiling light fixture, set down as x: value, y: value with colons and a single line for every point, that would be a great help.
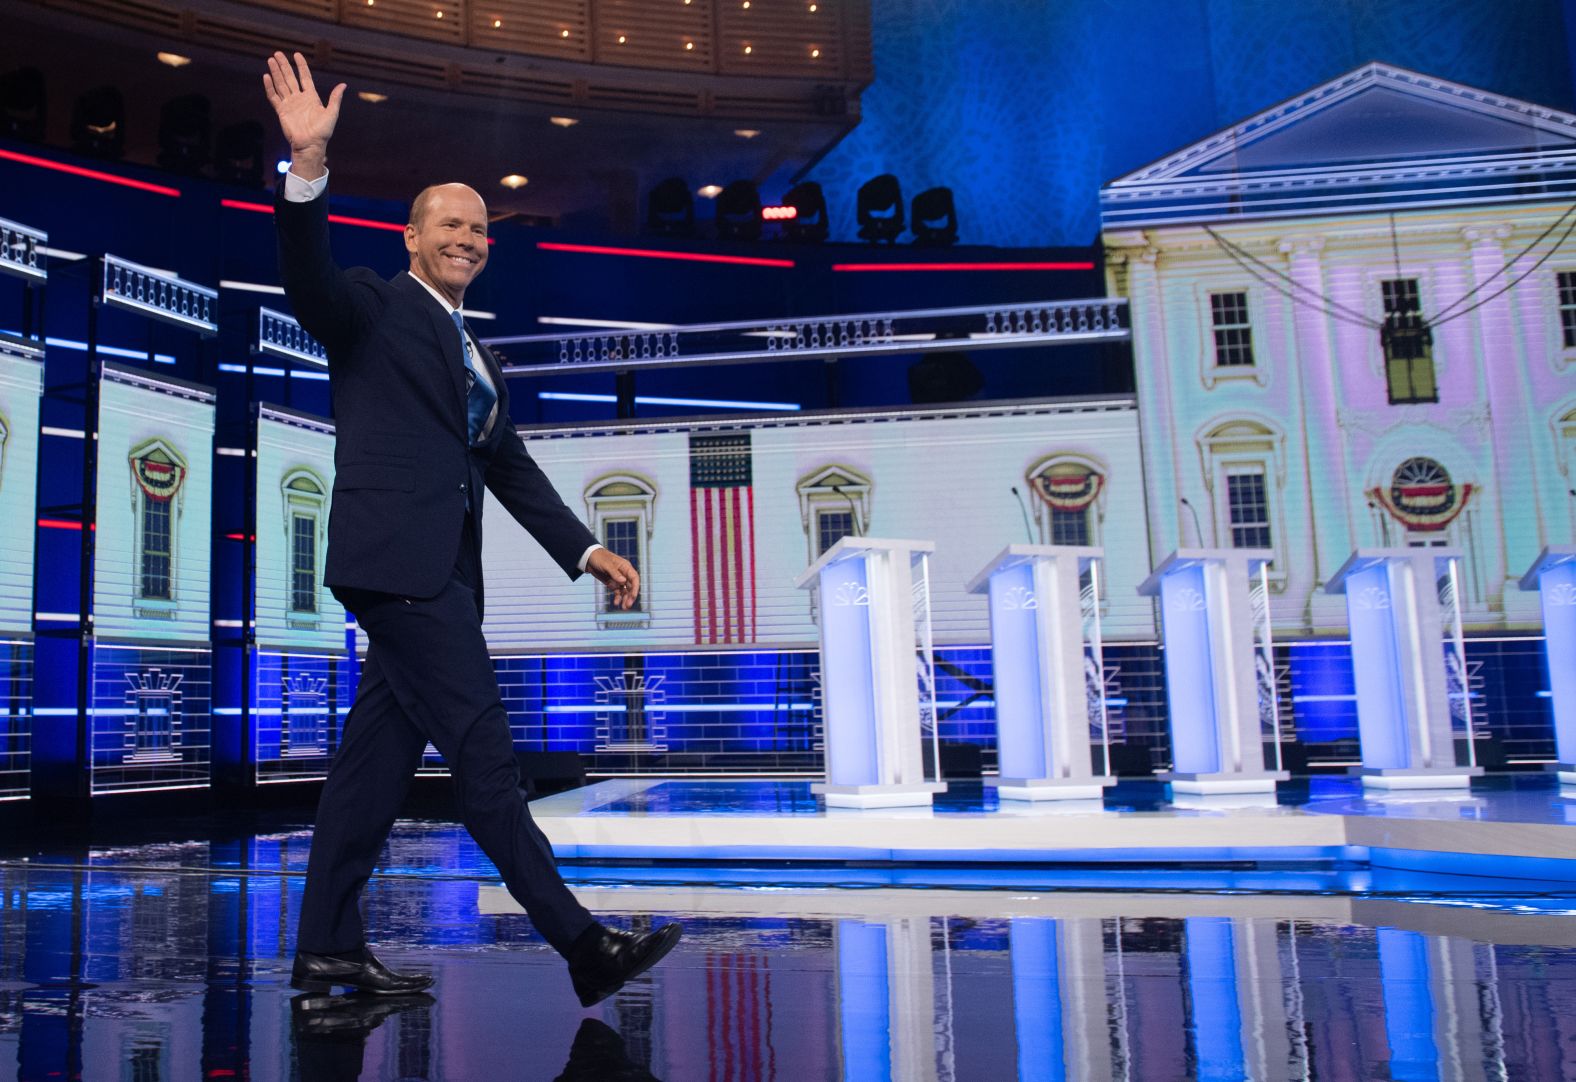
x: 710, y: 191
x: 174, y: 60
x: 563, y: 121
x: 622, y: 39
x: 514, y: 181
x: 371, y: 96
x: 746, y: 133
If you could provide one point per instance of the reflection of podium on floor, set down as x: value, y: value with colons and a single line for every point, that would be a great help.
x: 1553, y: 575
x: 877, y: 675
x: 1409, y: 666
x: 1048, y: 676
x: 1220, y: 669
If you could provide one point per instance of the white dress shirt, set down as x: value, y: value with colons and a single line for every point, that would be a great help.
x: 299, y: 190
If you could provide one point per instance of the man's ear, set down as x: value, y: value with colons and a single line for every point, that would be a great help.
x: 410, y: 239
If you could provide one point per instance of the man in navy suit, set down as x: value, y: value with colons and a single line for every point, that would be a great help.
x: 422, y: 415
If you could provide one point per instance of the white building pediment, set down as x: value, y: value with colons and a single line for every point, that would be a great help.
x: 1377, y: 138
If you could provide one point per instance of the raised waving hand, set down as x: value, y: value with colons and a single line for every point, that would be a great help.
x: 307, y: 123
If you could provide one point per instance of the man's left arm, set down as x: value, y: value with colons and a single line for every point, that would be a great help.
x: 525, y: 492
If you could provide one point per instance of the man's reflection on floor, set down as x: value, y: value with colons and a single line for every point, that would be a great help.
x: 331, y: 1038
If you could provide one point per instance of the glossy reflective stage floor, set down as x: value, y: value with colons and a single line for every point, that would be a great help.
x: 171, y: 961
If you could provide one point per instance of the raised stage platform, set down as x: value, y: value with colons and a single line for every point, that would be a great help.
x: 1518, y: 826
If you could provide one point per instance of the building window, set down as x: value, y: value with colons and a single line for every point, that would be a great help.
x: 1244, y: 466
x: 1070, y: 491
x: 831, y: 526
x: 1248, y: 508
x: 158, y: 473
x: 1069, y: 527
x: 305, y: 502
x: 1228, y: 314
x: 1567, y: 286
x: 621, y: 509
x: 303, y: 563
x: 621, y: 536
x: 156, y: 550
x: 834, y: 503
x: 1408, y: 344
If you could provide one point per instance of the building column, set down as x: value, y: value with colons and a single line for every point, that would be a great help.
x: 1314, y: 367
x: 1513, y: 504
x: 1152, y: 369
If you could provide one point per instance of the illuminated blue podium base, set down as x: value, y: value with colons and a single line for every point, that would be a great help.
x: 1449, y: 777
x: 878, y: 796
x: 1225, y: 782
x: 1050, y: 788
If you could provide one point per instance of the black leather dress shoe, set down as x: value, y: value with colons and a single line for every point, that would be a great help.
x: 323, y: 972
x: 603, y: 959
x: 318, y: 1014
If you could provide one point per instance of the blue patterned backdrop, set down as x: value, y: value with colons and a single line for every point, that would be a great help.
x: 1025, y: 107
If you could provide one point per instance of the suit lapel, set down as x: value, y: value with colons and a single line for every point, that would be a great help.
x: 443, y: 329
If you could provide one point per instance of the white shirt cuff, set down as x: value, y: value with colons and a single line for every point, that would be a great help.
x: 298, y: 190
x: 585, y: 557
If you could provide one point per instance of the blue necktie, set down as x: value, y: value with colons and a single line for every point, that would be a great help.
x: 479, y: 395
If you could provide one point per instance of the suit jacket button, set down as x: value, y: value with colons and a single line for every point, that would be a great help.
x: 462, y: 486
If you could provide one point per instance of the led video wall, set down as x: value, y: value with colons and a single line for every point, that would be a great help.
x: 21, y: 384
x: 299, y: 664
x: 720, y: 519
x: 149, y: 654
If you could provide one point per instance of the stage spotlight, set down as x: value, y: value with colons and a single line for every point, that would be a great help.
x: 22, y: 101
x: 238, y: 153
x: 185, y: 133
x: 809, y: 225
x: 880, y: 209
x: 98, y: 123
x: 934, y: 218
x: 739, y: 212
x: 670, y: 209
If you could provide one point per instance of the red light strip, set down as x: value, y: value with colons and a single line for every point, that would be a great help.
x: 652, y: 253
x: 59, y: 524
x: 338, y: 219
x: 239, y: 537
x: 91, y: 174
x: 962, y: 266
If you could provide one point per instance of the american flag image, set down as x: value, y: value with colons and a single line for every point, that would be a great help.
x: 722, y: 525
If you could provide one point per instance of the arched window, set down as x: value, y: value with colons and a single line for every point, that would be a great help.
x: 1244, y: 462
x: 834, y: 502
x: 305, y: 495
x: 620, y: 508
x: 159, y: 472
x: 1423, y: 499
x: 1070, y: 499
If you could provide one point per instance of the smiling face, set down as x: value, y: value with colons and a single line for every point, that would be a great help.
x: 447, y: 238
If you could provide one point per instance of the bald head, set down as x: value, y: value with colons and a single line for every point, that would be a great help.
x: 447, y: 238
x: 424, y: 198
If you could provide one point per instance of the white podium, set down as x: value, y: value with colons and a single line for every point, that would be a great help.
x: 1553, y: 575
x: 1409, y: 666
x: 1220, y: 666
x: 877, y: 674
x: 1048, y: 674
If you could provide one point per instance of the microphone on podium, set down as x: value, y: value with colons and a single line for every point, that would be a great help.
x: 1198, y: 531
x: 1027, y: 529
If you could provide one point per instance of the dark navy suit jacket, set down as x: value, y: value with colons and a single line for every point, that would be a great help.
x: 403, y: 468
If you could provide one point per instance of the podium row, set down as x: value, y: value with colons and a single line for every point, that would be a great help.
x: 1408, y: 658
